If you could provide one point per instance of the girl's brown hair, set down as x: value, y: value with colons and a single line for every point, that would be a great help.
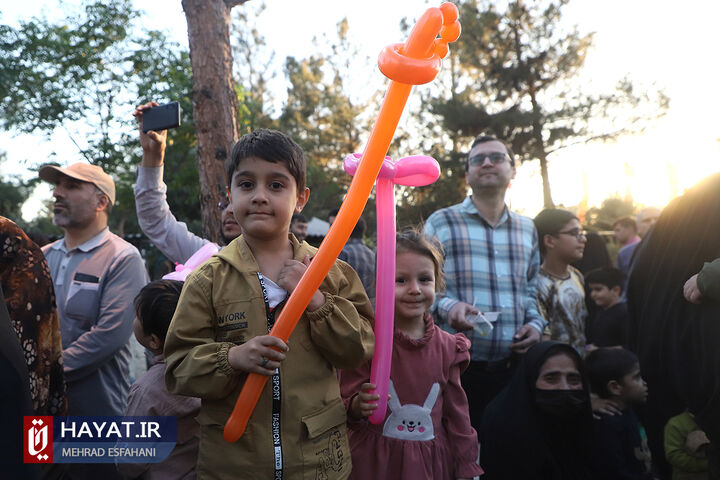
x: 414, y: 241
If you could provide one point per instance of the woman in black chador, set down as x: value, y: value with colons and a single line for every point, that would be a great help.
x: 540, y: 426
x: 678, y: 342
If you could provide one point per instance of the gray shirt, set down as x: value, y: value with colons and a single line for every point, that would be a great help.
x: 157, y: 222
x: 95, y: 285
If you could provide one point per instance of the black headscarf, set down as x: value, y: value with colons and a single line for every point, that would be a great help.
x: 518, y: 441
x: 595, y: 254
x: 677, y: 342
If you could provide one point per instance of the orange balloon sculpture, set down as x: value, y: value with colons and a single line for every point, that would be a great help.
x: 414, y: 63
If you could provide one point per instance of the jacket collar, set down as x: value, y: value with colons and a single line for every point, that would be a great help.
x: 240, y: 257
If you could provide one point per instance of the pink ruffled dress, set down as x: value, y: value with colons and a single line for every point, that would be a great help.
x: 426, y: 433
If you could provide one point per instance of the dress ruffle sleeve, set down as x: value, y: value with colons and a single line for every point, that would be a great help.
x: 461, y: 436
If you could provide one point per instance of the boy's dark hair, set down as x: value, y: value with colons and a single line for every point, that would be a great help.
x: 549, y: 222
x: 271, y: 146
x: 605, y: 364
x: 626, y: 222
x: 359, y: 230
x: 489, y: 138
x: 415, y: 241
x: 299, y: 217
x: 333, y: 212
x: 608, y: 276
x: 155, y: 306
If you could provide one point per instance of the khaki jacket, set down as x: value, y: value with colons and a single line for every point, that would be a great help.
x: 221, y: 306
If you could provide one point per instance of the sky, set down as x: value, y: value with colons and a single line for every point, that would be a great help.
x: 656, y: 43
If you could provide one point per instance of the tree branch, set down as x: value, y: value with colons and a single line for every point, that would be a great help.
x: 80, y: 150
x: 602, y: 136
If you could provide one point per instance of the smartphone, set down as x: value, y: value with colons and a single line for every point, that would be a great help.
x: 161, y: 117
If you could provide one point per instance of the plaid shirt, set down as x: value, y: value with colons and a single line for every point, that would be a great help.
x: 494, y: 268
x: 362, y: 260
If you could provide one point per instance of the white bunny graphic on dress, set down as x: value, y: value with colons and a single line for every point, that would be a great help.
x: 411, y: 422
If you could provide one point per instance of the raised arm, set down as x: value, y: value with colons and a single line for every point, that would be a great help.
x: 156, y: 220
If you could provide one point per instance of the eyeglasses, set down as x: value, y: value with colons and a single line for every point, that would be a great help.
x: 495, y: 158
x: 575, y: 232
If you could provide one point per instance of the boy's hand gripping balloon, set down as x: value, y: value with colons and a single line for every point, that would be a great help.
x: 414, y: 63
x: 415, y: 171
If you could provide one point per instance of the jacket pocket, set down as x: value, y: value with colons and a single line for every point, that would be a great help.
x: 83, y: 302
x: 212, y: 426
x: 326, y: 452
x: 213, y: 458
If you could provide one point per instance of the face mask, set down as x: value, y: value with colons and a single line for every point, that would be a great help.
x: 560, y: 404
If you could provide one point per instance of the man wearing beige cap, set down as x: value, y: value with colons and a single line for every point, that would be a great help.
x: 96, y: 276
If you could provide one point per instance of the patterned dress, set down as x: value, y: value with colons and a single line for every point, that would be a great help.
x: 30, y: 300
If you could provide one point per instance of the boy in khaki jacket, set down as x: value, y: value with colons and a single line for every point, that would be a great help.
x: 228, y: 304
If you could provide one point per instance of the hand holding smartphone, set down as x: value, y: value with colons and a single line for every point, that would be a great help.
x: 161, y: 117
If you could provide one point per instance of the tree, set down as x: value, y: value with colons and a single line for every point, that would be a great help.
x: 12, y: 195
x: 515, y: 77
x: 215, y: 102
x: 320, y: 115
x: 78, y: 73
x: 612, y: 208
x: 253, y: 69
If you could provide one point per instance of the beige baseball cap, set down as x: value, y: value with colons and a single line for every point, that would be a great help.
x: 84, y: 172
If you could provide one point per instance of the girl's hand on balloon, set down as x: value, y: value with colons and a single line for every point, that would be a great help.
x: 290, y: 276
x: 364, y: 403
x: 261, y: 354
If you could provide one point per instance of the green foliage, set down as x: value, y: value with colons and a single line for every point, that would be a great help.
x: 12, y: 195
x: 320, y: 117
x: 253, y: 69
x: 515, y: 76
x: 613, y: 208
x: 53, y: 73
x: 42, y: 223
x: 84, y: 73
x: 513, y: 73
x: 318, y: 112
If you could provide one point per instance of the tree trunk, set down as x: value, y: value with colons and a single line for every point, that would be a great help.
x: 541, y: 153
x: 547, y: 197
x: 215, y: 103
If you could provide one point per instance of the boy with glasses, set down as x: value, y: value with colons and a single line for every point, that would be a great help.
x: 560, y: 289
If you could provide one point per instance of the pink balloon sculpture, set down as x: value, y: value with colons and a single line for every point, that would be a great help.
x: 415, y: 171
x: 183, y: 270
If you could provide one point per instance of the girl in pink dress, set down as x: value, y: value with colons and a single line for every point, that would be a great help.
x: 426, y: 433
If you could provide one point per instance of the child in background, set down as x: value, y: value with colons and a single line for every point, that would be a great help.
x: 620, y: 447
x: 154, y: 308
x: 229, y: 303
x: 426, y: 432
x: 560, y: 287
x: 609, y: 326
x: 685, y: 446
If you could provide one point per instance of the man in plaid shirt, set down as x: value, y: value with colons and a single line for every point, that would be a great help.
x: 491, y: 263
x: 360, y: 258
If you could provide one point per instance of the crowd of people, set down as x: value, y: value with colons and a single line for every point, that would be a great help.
x: 519, y: 351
